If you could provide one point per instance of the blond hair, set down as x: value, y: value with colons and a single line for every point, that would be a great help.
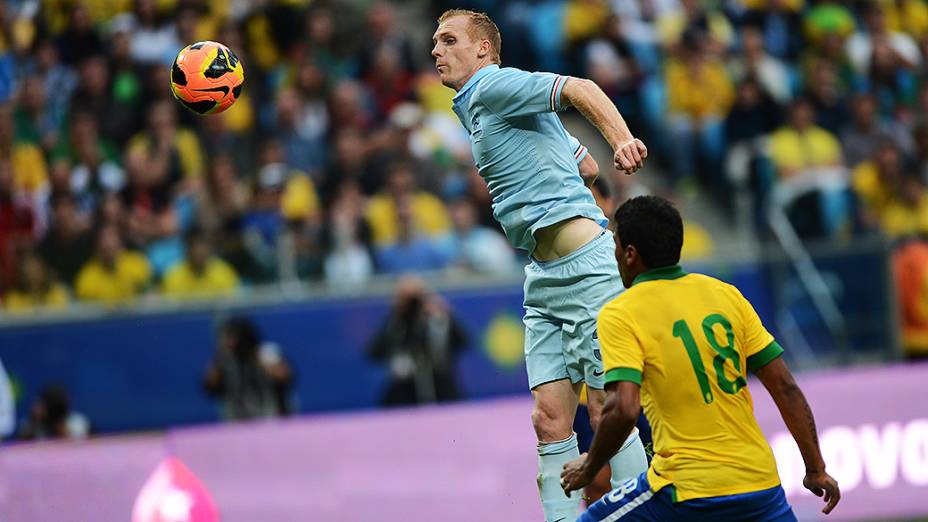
x: 481, y: 27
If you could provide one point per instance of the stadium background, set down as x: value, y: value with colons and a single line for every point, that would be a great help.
x: 793, y: 136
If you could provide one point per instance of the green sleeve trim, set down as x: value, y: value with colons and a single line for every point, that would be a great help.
x: 623, y: 374
x: 763, y: 357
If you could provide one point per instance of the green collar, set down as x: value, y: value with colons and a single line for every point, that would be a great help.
x: 664, y: 272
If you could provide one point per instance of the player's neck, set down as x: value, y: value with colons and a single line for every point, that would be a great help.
x: 655, y: 273
x: 480, y: 65
x: 635, y: 270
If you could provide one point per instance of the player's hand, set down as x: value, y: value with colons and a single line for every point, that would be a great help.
x: 630, y: 156
x: 575, y: 475
x: 822, y: 485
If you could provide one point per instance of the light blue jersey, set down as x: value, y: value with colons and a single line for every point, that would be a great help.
x: 523, y: 152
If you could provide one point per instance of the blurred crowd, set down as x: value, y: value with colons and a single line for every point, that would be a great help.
x: 813, y: 107
x: 342, y: 159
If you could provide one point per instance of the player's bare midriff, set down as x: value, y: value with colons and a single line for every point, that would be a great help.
x: 562, y: 238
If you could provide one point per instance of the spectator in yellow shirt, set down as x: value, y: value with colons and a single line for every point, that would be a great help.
x: 281, y: 227
x: 801, y: 145
x: 201, y: 274
x: 908, y: 16
x: 164, y: 136
x: 674, y: 25
x: 906, y: 214
x: 699, y: 94
x: 30, y: 172
x: 584, y: 19
x: 428, y: 214
x: 812, y: 180
x: 55, y: 14
x: 35, y: 288
x: 874, y: 180
x: 114, y: 275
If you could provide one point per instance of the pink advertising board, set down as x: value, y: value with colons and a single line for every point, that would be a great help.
x: 473, y: 461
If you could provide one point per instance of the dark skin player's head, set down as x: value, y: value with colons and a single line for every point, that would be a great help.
x: 648, y: 235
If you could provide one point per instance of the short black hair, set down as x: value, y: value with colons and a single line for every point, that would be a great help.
x: 654, y: 226
x: 245, y: 336
x: 57, y: 403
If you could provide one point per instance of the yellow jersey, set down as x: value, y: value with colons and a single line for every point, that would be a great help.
x: 218, y: 279
x: 55, y: 297
x: 688, y: 340
x: 793, y: 150
x: 429, y: 216
x: 901, y: 219
x: 120, y: 285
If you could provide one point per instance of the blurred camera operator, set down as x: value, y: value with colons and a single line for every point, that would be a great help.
x: 419, y: 343
x: 250, y: 378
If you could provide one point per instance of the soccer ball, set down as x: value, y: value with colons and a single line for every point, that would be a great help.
x: 207, y: 77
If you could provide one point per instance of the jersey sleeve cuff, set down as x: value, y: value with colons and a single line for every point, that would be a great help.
x: 763, y: 357
x: 580, y: 153
x: 556, y: 89
x: 623, y: 374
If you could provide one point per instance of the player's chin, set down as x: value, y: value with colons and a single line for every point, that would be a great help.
x: 445, y: 79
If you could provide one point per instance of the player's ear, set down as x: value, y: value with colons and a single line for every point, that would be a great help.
x: 484, y: 48
x: 631, y: 255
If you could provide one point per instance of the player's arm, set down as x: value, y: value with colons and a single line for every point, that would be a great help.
x: 764, y: 360
x: 512, y: 93
x: 798, y: 417
x: 589, y: 169
x: 620, y: 413
x: 596, y: 107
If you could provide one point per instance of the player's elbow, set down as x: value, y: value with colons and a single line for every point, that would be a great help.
x: 629, y: 411
x: 621, y: 409
x: 580, y: 83
x: 576, y: 88
x: 776, y: 378
x: 589, y: 169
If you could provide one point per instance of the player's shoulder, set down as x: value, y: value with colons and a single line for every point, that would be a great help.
x: 713, y: 283
x: 502, y: 78
x: 507, y: 73
x: 728, y: 293
x: 505, y: 80
x: 707, y: 280
x: 623, y: 304
x: 617, y: 315
x: 614, y: 306
x: 693, y: 281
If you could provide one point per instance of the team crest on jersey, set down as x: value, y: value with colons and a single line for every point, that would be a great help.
x: 475, y: 125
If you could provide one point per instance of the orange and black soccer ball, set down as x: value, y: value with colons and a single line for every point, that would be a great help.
x: 207, y: 77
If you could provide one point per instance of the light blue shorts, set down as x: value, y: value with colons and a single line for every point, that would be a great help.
x: 562, y: 300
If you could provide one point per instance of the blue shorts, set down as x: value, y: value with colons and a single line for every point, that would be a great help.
x: 635, y: 502
x: 562, y: 300
x: 584, y: 431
